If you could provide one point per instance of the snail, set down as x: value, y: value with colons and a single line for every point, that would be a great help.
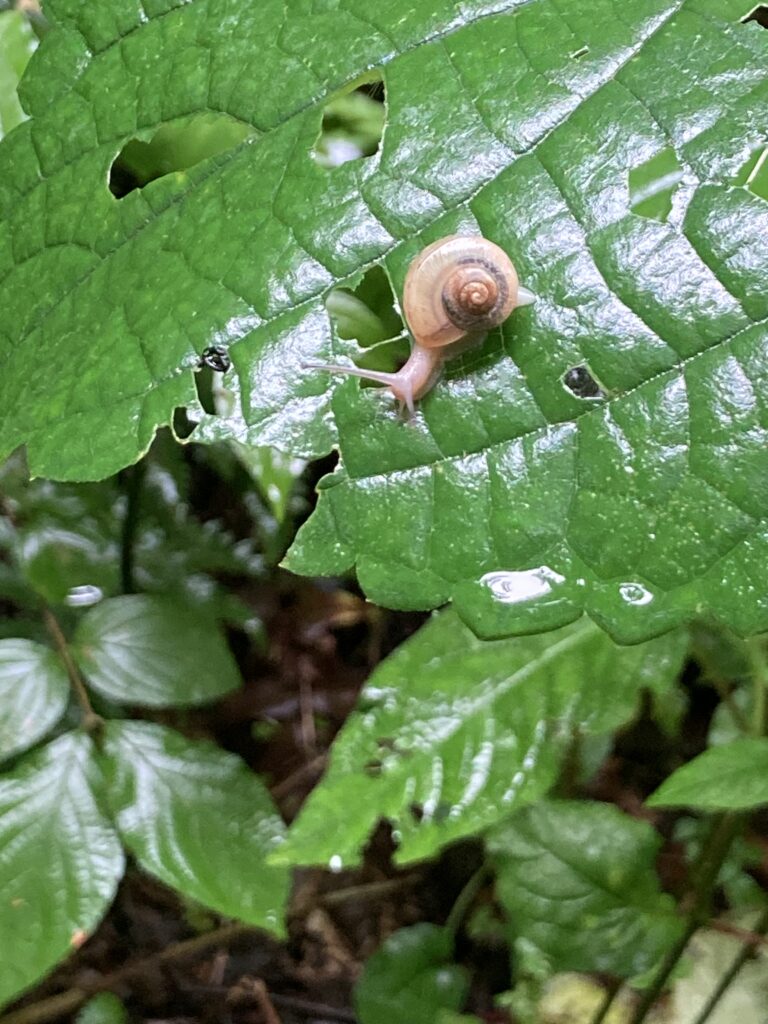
x: 455, y: 291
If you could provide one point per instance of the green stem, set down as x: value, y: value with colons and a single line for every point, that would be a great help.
x: 759, y: 666
x: 92, y: 722
x: 135, y: 479
x: 724, y: 830
x: 746, y: 951
x: 465, y: 899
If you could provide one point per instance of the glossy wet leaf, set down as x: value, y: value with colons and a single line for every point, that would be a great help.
x: 453, y: 733
x: 411, y: 978
x: 34, y: 691
x: 503, y: 117
x: 577, y: 883
x: 194, y: 816
x: 730, y: 777
x: 60, y: 860
x: 141, y: 649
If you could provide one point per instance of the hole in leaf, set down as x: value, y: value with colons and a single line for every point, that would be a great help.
x: 582, y: 384
x: 653, y: 184
x: 581, y: 52
x: 367, y: 315
x: 353, y: 123
x: 174, y: 148
x: 754, y: 174
x: 758, y: 14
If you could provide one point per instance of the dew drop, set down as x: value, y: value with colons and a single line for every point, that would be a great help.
x: 336, y: 863
x: 635, y: 594
x: 84, y: 596
x: 524, y: 585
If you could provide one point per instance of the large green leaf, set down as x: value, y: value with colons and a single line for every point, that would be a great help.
x: 34, y: 690
x: 731, y: 777
x: 578, y: 884
x: 140, y: 649
x: 60, y: 860
x: 198, y: 819
x: 542, y: 129
x: 453, y: 733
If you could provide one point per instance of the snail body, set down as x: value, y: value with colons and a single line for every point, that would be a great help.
x: 456, y: 290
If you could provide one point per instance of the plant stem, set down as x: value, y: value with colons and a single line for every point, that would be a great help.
x: 603, y: 1009
x: 92, y: 722
x: 465, y: 899
x: 724, y: 829
x: 135, y: 479
x: 746, y: 951
x: 759, y: 666
x: 69, y: 1001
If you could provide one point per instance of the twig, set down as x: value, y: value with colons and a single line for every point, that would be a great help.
x: 611, y: 991
x: 751, y: 938
x: 282, y: 789
x: 724, y: 830
x: 91, y: 721
x: 759, y: 666
x: 368, y: 890
x: 465, y: 899
x: 69, y: 1001
x: 739, y: 960
x: 265, y: 1003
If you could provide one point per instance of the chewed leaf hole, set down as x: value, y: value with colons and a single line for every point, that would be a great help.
x: 173, y: 149
x: 754, y: 174
x: 582, y: 384
x: 581, y: 52
x: 758, y: 14
x: 353, y: 123
x: 653, y: 184
x: 368, y: 315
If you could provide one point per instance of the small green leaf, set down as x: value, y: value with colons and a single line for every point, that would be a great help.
x: 452, y: 732
x: 60, y: 860
x: 104, y: 1008
x: 194, y: 816
x: 34, y: 690
x: 577, y: 881
x: 732, y: 777
x: 411, y: 978
x: 151, y: 651
x: 17, y: 44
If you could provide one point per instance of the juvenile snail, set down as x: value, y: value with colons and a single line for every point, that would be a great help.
x: 455, y: 291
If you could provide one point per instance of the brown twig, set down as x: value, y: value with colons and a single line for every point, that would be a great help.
x: 369, y: 890
x: 289, y: 783
x: 743, y: 934
x: 71, y: 1000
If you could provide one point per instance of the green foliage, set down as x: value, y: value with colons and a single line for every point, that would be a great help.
x: 147, y: 650
x: 453, y: 733
x: 577, y: 882
x: 104, y: 1008
x: 510, y: 494
x: 17, y: 44
x: 61, y: 859
x: 411, y: 978
x: 34, y: 691
x: 198, y: 819
x: 731, y: 777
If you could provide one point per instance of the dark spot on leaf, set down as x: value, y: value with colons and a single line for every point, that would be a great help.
x: 582, y: 384
x: 385, y: 743
x: 653, y: 184
x: 416, y: 812
x: 353, y: 123
x: 581, y: 52
x: 753, y: 175
x: 174, y: 149
x: 758, y: 14
x: 373, y: 768
x: 216, y: 358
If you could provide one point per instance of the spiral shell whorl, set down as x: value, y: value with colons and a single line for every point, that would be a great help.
x: 460, y: 285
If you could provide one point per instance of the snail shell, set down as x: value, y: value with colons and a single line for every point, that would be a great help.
x: 459, y: 285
